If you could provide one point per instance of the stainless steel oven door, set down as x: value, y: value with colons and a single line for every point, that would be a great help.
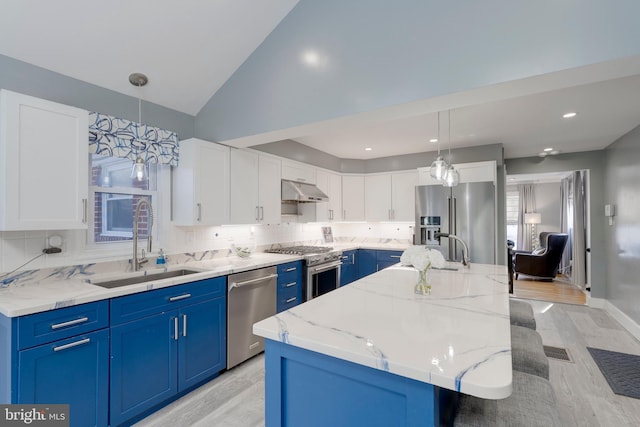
x: 322, y: 278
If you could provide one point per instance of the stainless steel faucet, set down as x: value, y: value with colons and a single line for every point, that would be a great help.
x: 465, y: 249
x: 135, y: 260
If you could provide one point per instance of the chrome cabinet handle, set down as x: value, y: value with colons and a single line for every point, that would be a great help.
x: 257, y: 213
x: 73, y: 344
x: 288, y: 285
x: 84, y: 211
x: 175, y: 329
x: 180, y: 297
x: 184, y: 325
x: 291, y: 300
x: 394, y: 256
x: 69, y: 323
x: 199, y: 218
x: 291, y: 269
x: 353, y: 258
x: 261, y: 213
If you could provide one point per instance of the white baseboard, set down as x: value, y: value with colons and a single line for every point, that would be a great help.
x: 628, y: 323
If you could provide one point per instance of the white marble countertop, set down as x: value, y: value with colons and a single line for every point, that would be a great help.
x: 457, y: 338
x: 34, y: 296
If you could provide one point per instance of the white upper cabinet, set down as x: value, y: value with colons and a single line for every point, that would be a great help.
x: 254, y: 188
x: 299, y: 172
x: 331, y: 185
x: 353, y: 198
x: 469, y: 172
x: 390, y: 197
x: 403, y: 195
x: 377, y: 197
x: 201, y: 184
x: 44, y: 164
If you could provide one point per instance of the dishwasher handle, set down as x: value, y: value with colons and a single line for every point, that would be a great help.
x: 252, y: 281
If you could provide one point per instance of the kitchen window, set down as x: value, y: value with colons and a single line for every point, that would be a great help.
x: 113, y: 199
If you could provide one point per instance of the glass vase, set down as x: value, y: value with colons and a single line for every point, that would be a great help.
x: 423, y: 287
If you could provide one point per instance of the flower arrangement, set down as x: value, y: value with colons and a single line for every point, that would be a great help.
x: 422, y: 259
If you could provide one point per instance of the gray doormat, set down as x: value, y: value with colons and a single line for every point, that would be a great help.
x: 621, y: 370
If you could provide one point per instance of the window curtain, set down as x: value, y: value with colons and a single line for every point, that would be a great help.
x: 527, y: 203
x: 578, y: 249
x: 115, y: 137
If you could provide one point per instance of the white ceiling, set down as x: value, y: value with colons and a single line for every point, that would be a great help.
x: 190, y: 48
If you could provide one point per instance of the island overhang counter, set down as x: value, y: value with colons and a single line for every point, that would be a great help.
x: 376, y: 353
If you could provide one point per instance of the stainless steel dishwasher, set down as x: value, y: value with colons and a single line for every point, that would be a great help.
x: 251, y: 297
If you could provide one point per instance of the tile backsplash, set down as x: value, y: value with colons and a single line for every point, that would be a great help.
x: 18, y: 248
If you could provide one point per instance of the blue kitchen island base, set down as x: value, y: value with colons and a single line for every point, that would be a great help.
x: 305, y: 388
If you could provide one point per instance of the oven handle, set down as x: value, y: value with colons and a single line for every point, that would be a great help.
x: 250, y: 282
x: 322, y: 268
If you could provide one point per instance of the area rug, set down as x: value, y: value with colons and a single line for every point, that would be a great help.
x: 621, y: 370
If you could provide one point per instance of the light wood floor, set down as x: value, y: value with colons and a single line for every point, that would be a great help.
x: 559, y: 290
x: 236, y: 398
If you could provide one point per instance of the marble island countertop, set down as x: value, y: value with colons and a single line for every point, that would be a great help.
x: 458, y: 337
x: 75, y: 286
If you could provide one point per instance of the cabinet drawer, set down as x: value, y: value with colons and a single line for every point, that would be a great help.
x: 132, y: 307
x: 389, y: 256
x: 288, y: 298
x: 41, y: 328
x: 289, y: 272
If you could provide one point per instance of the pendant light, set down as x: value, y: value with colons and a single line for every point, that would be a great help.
x: 451, y: 177
x: 439, y: 166
x: 139, y: 170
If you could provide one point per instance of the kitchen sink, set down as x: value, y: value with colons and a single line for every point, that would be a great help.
x: 142, y: 279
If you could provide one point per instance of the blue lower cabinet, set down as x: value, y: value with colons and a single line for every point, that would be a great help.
x: 156, y: 357
x: 367, y: 262
x: 143, y: 365
x: 202, y: 348
x: 290, y: 292
x: 72, y: 371
x: 387, y: 258
x: 349, y: 267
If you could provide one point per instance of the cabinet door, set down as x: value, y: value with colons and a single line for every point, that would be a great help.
x: 44, y: 153
x: 243, y: 191
x: 322, y: 208
x: 367, y: 262
x: 353, y: 198
x: 403, y: 195
x: 73, y: 371
x: 298, y: 172
x: 201, y: 184
x: 202, y: 349
x: 349, y: 268
x: 270, y: 190
x: 143, y: 365
x: 377, y: 197
x: 387, y: 258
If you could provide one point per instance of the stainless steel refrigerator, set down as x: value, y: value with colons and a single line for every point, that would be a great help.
x: 466, y: 210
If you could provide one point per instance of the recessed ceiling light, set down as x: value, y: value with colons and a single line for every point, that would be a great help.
x: 433, y: 140
x: 368, y: 149
x: 548, y: 149
x: 569, y: 115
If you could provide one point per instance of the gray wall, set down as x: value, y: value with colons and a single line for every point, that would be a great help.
x: 380, y: 53
x: 28, y: 79
x: 623, y: 237
x: 593, y: 161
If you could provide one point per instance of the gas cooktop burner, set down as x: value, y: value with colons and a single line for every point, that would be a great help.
x: 300, y: 250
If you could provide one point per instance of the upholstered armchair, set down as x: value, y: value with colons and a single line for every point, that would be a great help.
x: 542, y: 263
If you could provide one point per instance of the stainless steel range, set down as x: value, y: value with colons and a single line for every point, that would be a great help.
x: 321, y: 266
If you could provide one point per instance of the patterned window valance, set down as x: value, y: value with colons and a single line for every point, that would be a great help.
x: 114, y: 137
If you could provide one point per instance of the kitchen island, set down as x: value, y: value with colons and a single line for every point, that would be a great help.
x: 376, y: 353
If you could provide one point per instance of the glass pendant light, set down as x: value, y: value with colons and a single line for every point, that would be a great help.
x: 451, y: 177
x: 439, y: 166
x: 139, y: 170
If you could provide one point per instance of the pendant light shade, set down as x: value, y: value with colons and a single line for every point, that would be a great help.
x: 439, y: 165
x: 451, y: 178
x: 139, y: 170
x: 438, y: 168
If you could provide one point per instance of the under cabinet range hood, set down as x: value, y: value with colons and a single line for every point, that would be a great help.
x: 301, y: 192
